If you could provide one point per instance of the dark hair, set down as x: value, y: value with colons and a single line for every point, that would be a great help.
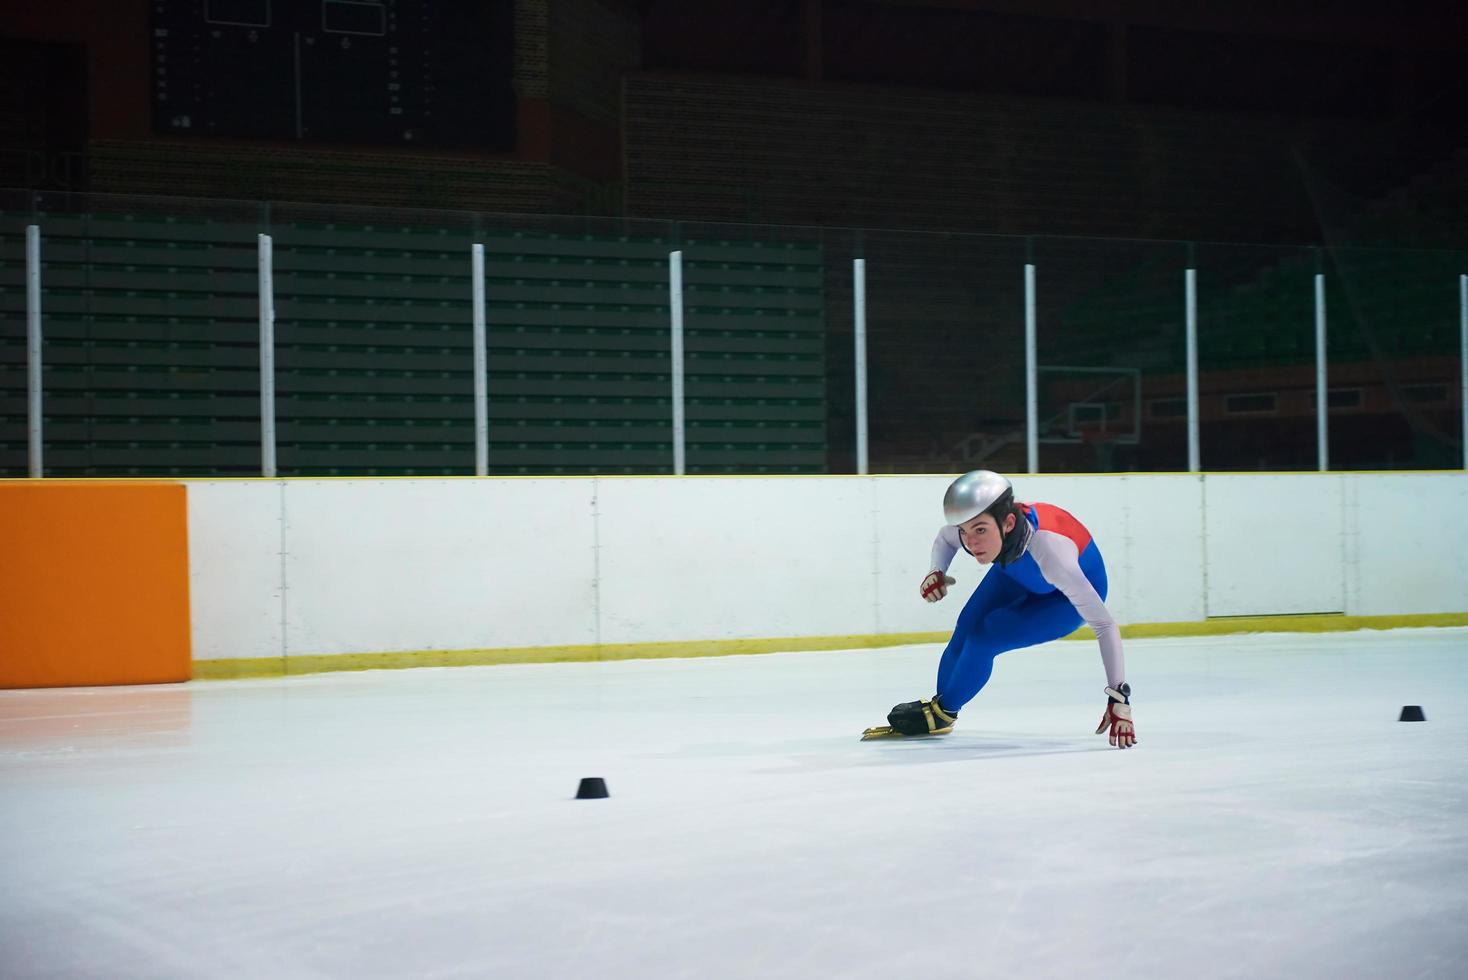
x: 1003, y: 507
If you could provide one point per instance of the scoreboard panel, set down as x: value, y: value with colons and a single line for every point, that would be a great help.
x: 434, y: 73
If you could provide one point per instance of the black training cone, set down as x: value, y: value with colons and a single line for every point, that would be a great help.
x: 592, y: 788
x: 1412, y: 712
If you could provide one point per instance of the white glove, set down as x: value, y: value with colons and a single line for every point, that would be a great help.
x: 935, y: 586
x: 1119, y: 717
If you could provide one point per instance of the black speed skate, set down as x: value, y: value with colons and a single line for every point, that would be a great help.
x: 914, y: 719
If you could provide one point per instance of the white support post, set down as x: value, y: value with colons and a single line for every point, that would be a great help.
x: 481, y: 365
x: 1322, y: 401
x: 267, y: 357
x: 1463, y: 353
x: 675, y: 306
x: 859, y: 298
x: 1032, y: 376
x: 1194, y: 451
x: 33, y: 346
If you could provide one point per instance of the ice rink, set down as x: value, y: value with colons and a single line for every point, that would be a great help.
x: 1275, y: 821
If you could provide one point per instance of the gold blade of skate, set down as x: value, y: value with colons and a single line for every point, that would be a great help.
x: 887, y: 731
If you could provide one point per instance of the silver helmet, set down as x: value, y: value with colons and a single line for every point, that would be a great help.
x: 973, y: 493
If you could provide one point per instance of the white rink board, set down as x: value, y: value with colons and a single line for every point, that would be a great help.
x: 363, y: 566
x: 1410, y: 543
x: 1275, y: 544
x: 714, y: 558
x: 235, y: 587
x: 405, y: 565
x: 1161, y: 579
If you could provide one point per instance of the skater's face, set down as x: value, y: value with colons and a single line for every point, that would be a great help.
x: 981, y: 536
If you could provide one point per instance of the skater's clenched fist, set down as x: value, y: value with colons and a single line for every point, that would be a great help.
x: 935, y: 586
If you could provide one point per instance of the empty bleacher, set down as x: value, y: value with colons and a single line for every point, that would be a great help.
x: 152, y: 366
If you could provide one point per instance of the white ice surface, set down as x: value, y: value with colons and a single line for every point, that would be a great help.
x: 1275, y: 821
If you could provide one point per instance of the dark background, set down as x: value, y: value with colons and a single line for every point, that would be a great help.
x: 945, y: 141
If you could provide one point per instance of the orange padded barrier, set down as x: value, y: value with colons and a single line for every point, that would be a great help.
x: 94, y: 583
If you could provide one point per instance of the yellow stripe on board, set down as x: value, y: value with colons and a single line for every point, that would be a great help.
x: 1309, y: 623
x: 277, y: 666
x: 280, y: 666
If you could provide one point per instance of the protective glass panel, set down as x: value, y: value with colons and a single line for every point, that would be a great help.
x: 1110, y: 345
x: 1394, y: 367
x: 754, y: 315
x: 1256, y: 358
x: 152, y: 364
x: 945, y: 351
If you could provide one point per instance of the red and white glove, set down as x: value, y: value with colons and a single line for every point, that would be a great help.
x: 935, y: 586
x: 1119, y: 717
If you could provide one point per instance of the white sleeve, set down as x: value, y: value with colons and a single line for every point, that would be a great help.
x: 1059, y: 562
x: 945, y: 546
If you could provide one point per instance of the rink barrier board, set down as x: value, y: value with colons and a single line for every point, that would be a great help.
x: 79, y: 600
x: 283, y: 666
x: 347, y: 568
x: 94, y: 584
